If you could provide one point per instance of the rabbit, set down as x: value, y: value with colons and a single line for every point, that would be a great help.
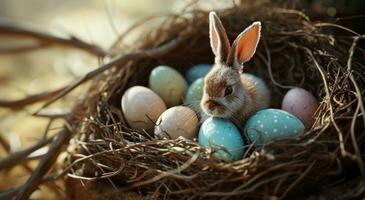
x: 229, y: 93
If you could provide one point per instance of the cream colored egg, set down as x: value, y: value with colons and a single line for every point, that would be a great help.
x: 142, y: 107
x: 177, y: 121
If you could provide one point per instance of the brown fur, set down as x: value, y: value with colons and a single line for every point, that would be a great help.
x: 215, y: 88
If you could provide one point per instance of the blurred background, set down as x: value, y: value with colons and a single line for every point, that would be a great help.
x: 97, y: 22
x: 94, y: 21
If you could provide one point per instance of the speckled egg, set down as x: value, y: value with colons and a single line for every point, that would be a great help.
x: 301, y: 104
x: 272, y: 124
x: 197, y: 71
x: 223, y: 137
x: 195, y: 93
x: 177, y: 121
x: 142, y: 107
x: 169, y: 84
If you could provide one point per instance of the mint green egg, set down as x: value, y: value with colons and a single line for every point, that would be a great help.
x: 195, y: 93
x: 272, y: 124
x: 169, y: 84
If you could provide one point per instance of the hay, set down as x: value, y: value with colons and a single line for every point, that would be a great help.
x: 326, y: 161
x: 294, y: 51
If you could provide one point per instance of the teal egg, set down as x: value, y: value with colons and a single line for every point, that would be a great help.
x: 272, y: 124
x: 195, y: 93
x: 169, y: 84
x: 223, y: 137
x: 197, y: 71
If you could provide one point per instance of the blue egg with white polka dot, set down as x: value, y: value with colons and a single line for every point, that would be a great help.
x: 272, y: 124
x: 197, y: 71
x: 223, y: 138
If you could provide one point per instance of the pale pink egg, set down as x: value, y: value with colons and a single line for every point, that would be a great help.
x: 302, y: 104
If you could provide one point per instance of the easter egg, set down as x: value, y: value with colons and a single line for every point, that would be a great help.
x: 142, y: 107
x: 169, y: 84
x: 223, y: 137
x: 301, y: 104
x: 177, y: 121
x: 272, y: 124
x: 197, y: 71
x: 195, y: 93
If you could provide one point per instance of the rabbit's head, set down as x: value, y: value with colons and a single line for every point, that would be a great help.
x: 223, y: 93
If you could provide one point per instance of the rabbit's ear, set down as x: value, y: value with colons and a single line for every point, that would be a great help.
x: 244, y: 46
x: 218, y: 38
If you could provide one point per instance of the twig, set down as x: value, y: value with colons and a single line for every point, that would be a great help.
x: 21, y: 103
x: 21, y: 49
x: 53, y: 113
x: 136, y: 25
x: 323, y: 24
x: 24, y: 165
x: 292, y: 11
x: 19, y: 156
x: 4, y: 143
x: 44, y: 165
x: 11, y: 27
x: 7, y: 148
x: 269, y: 67
x: 344, y: 152
x: 168, y: 173
x: 10, y: 193
x: 297, y: 181
x: 360, y: 106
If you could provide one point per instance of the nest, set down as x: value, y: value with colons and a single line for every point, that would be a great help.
x: 327, y: 160
x: 113, y: 161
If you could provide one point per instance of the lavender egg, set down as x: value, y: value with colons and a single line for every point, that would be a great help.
x: 302, y: 104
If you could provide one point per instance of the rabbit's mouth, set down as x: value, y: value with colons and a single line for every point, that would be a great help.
x: 214, y: 109
x: 212, y: 105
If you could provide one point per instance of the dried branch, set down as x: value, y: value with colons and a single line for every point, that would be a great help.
x: 19, y: 157
x: 44, y: 165
x: 31, y: 99
x: 14, y: 28
x: 11, y: 193
x: 22, y: 49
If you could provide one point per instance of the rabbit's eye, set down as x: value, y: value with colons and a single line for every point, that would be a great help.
x: 228, y: 90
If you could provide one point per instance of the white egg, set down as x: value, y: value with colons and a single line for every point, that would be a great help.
x: 177, y: 121
x: 142, y: 107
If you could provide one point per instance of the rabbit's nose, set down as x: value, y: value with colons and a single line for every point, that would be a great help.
x: 211, y: 104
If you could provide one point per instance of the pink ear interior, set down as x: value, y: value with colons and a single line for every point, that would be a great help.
x: 247, y: 43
